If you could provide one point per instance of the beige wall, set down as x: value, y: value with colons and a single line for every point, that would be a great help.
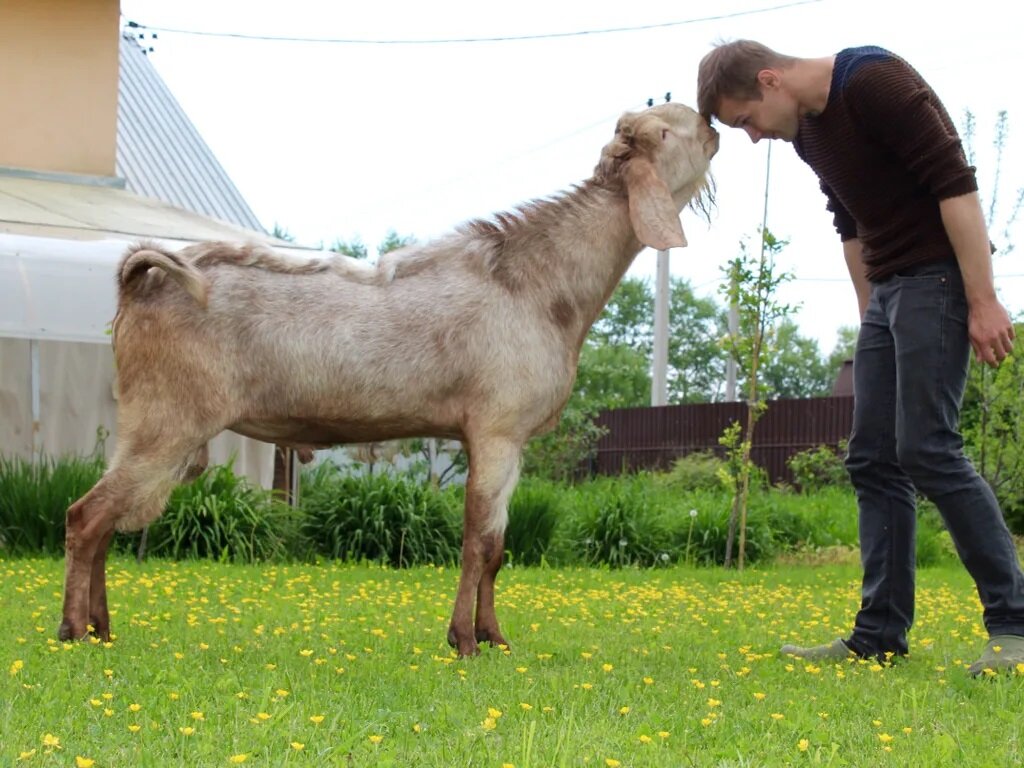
x: 58, y: 84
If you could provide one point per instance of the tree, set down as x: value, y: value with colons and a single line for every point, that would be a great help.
x: 628, y: 318
x: 795, y: 367
x: 752, y: 286
x: 846, y: 344
x: 393, y: 241
x: 696, y: 364
x: 353, y: 248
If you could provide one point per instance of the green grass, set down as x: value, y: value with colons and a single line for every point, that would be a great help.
x: 671, y: 667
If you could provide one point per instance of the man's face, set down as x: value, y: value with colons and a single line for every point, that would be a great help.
x: 774, y: 116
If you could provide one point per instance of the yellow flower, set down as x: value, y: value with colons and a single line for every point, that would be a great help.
x: 908, y: 730
x: 134, y: 728
x: 876, y: 723
x: 611, y: 762
x: 84, y: 762
x: 885, y: 738
x: 489, y: 724
x: 316, y: 719
x: 51, y: 741
x: 306, y: 652
x: 525, y: 707
x: 607, y: 667
x: 95, y: 702
x: 174, y: 696
x: 492, y: 712
x: 376, y: 738
x: 17, y: 666
x: 298, y: 746
x: 134, y: 707
x: 760, y: 696
x: 508, y: 765
x: 648, y: 681
x: 663, y: 734
x: 520, y: 670
x: 803, y: 744
x: 26, y: 755
x: 645, y: 739
x: 417, y: 728
x: 198, y: 716
x: 706, y: 722
x: 714, y: 703
x: 263, y: 715
x: 623, y: 710
x: 281, y: 692
x: 239, y: 758
x: 187, y: 730
x: 777, y: 716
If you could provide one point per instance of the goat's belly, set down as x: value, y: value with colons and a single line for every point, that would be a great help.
x: 327, y: 432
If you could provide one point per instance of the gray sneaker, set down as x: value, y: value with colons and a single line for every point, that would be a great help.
x: 1002, y: 653
x: 837, y: 650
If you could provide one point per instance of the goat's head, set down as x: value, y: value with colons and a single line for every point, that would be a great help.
x: 660, y: 157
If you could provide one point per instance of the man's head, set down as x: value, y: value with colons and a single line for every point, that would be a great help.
x: 742, y: 84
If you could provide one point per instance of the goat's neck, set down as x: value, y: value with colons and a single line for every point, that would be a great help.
x: 605, y: 246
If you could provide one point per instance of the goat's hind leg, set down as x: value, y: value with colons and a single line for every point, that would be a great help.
x: 131, y: 494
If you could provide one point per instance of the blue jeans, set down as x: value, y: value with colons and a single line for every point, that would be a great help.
x: 910, y: 370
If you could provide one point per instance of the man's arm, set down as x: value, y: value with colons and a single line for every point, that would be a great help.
x: 988, y: 322
x: 853, y: 251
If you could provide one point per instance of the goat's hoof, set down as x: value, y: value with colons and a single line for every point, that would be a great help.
x: 493, y: 637
x: 67, y: 631
x: 100, y: 629
x: 465, y: 646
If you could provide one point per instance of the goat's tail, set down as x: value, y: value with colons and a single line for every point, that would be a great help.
x: 141, y: 257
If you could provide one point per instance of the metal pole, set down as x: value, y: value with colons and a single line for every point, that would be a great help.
x: 33, y: 350
x: 659, y: 374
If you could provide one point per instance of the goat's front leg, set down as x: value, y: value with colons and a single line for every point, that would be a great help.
x: 493, y: 471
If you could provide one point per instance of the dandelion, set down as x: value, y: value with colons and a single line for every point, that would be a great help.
x: 281, y: 692
x: 803, y: 744
x: 17, y: 666
x: 760, y: 696
x: 198, y: 716
x: 187, y: 730
x: 264, y: 715
x: 306, y: 652
x: 316, y: 719
x: 525, y: 707
x: 777, y: 716
x: 648, y: 681
x: 706, y: 721
x: 133, y: 728
x: 492, y: 712
x: 417, y: 728
x: 663, y: 735
x: 607, y: 667
x: 611, y: 762
x: 645, y: 739
x: 908, y: 730
x: 51, y: 742
x: 623, y: 710
x: 376, y: 738
x: 885, y: 738
x: 134, y: 707
x: 714, y: 703
x: 298, y: 746
x: 239, y: 758
x: 508, y: 765
x: 520, y: 670
x: 26, y: 755
x: 84, y: 762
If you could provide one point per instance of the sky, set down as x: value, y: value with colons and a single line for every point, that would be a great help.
x: 347, y: 140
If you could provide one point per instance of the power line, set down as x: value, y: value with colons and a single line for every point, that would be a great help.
x: 451, y: 40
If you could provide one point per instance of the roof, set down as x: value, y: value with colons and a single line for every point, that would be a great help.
x: 161, y: 155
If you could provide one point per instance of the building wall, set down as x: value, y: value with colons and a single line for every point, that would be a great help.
x: 58, y: 85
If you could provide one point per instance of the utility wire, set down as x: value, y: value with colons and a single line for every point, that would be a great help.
x: 446, y: 41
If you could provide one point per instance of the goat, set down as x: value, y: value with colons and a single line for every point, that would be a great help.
x: 474, y: 337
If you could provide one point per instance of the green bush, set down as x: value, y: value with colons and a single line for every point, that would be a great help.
x: 695, y: 472
x: 35, y: 496
x: 382, y: 518
x: 533, y: 515
x: 619, y: 523
x: 222, y: 516
x: 820, y: 467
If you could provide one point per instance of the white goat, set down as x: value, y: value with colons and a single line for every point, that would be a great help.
x: 474, y: 337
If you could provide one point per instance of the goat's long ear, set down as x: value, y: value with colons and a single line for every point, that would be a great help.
x: 651, y: 209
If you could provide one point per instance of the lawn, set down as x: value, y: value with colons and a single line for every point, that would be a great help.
x: 347, y: 665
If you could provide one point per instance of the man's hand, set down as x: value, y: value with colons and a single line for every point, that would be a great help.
x: 991, y: 331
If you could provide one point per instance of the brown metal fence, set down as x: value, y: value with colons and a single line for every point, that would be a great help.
x: 651, y: 438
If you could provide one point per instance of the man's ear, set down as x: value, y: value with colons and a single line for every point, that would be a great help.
x: 768, y: 78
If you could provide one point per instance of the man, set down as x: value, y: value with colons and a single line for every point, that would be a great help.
x: 906, y: 207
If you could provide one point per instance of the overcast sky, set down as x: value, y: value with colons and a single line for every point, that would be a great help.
x: 344, y: 140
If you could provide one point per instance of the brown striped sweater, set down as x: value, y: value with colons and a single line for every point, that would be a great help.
x: 886, y: 152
